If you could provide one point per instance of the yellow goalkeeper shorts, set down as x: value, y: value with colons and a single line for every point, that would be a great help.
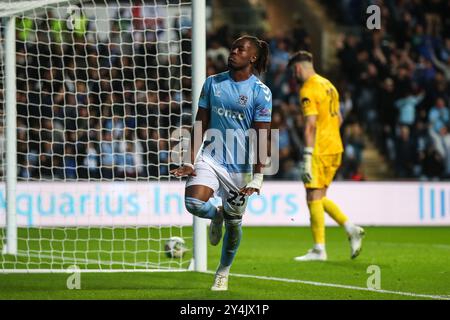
x: 324, y: 168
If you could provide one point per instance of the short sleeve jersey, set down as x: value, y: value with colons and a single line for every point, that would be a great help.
x: 234, y: 106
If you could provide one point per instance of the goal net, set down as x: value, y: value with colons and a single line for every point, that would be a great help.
x: 100, y: 88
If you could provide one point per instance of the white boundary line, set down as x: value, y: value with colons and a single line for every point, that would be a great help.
x: 69, y: 270
x: 144, y: 267
x: 410, y: 244
x: 312, y: 283
x: 340, y: 286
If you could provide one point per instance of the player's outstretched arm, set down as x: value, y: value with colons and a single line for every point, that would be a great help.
x: 187, y: 169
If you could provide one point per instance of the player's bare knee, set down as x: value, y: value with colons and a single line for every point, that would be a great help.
x: 315, y: 194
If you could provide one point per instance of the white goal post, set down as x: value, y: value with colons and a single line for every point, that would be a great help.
x: 90, y: 94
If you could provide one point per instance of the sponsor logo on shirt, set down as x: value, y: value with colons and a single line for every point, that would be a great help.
x: 265, y: 112
x: 229, y: 113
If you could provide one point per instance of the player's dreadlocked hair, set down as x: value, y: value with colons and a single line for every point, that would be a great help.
x: 262, y: 48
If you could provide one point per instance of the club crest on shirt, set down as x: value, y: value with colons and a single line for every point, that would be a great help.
x: 243, y: 100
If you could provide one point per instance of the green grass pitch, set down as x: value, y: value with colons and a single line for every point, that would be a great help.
x: 412, y: 261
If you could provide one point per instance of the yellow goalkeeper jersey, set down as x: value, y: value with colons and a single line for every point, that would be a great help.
x: 319, y: 97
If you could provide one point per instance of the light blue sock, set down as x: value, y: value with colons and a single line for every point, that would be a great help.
x: 231, y: 241
x: 200, y: 208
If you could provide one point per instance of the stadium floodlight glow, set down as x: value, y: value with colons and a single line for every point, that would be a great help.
x: 91, y: 95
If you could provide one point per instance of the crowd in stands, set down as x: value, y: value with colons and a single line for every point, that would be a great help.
x: 106, y: 109
x: 286, y: 113
x: 89, y: 108
x: 398, y: 79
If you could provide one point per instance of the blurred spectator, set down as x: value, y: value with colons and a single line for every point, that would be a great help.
x: 91, y: 162
x: 357, y: 174
x: 70, y: 164
x: 354, y: 146
x: 387, y: 114
x: 110, y: 103
x: 439, y: 115
x: 441, y: 143
x: 280, y: 54
x: 407, y: 108
x: 409, y: 63
x: 163, y: 155
x: 284, y: 143
x: 406, y: 153
x: 433, y: 164
x: 107, y: 155
x: 2, y: 149
x: 346, y: 104
x: 217, y: 52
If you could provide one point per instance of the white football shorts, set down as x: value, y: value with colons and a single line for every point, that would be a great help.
x: 226, y: 185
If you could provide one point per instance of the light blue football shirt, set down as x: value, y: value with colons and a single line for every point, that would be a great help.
x: 234, y: 106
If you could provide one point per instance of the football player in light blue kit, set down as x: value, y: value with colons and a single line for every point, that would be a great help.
x: 231, y: 104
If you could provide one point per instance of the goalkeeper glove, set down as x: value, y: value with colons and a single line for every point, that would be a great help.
x: 306, y: 170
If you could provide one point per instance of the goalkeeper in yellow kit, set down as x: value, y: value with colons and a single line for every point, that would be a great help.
x: 322, y: 154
